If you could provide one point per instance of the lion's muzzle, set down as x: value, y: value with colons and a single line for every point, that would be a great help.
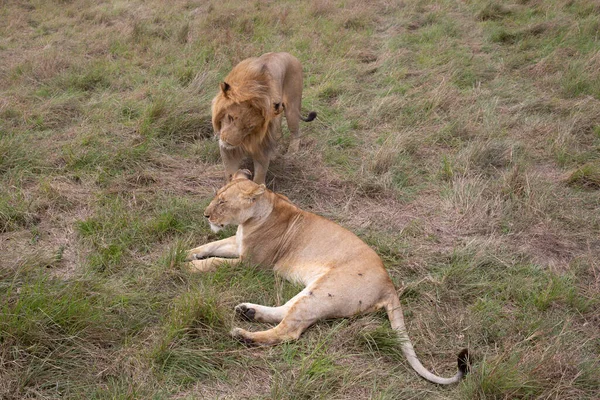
x: 226, y: 145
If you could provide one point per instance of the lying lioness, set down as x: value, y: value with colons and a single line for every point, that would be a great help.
x: 343, y: 276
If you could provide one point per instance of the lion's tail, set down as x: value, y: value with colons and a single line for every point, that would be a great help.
x: 396, y: 317
x: 311, y: 115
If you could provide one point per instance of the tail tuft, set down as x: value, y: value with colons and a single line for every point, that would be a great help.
x: 311, y: 115
x: 464, y: 361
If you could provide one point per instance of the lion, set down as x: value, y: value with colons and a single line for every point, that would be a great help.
x: 342, y: 275
x: 246, y: 112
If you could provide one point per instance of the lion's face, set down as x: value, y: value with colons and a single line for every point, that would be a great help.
x: 239, y: 121
x: 234, y: 203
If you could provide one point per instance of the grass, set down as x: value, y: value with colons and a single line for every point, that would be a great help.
x: 458, y: 139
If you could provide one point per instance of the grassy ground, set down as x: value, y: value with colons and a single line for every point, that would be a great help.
x: 461, y: 140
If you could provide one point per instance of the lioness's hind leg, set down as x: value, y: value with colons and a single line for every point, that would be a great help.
x: 273, y: 315
x: 256, y: 312
x: 299, y: 313
x: 286, y: 330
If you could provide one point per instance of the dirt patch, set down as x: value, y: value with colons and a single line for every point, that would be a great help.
x: 175, y: 176
x: 549, y: 248
x: 256, y: 382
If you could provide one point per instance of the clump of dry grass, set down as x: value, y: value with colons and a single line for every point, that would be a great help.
x: 492, y: 11
x: 176, y: 120
x: 489, y: 157
x: 393, y: 147
x: 321, y: 8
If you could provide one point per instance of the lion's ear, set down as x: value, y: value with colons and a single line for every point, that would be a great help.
x: 277, y: 108
x: 225, y: 87
x: 242, y: 173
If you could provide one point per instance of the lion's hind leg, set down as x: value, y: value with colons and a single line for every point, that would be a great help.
x: 292, y: 117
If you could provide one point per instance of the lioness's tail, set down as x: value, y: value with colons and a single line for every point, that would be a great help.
x: 396, y: 317
x: 311, y: 115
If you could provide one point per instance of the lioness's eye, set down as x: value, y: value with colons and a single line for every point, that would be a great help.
x: 230, y: 118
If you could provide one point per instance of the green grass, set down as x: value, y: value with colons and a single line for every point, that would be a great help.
x: 458, y: 139
x: 587, y: 176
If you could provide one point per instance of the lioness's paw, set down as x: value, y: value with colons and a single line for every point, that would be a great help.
x: 190, y: 256
x: 245, y: 312
x: 240, y: 334
x: 194, y: 256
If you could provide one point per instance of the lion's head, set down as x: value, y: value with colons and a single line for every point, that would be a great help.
x: 237, y: 121
x: 236, y: 202
x: 243, y: 108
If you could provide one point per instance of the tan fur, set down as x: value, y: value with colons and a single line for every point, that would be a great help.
x: 246, y: 111
x: 342, y: 275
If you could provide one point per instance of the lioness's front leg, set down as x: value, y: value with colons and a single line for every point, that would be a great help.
x: 220, y: 248
x: 211, y: 264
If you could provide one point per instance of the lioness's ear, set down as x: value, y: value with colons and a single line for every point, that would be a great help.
x: 259, y: 190
x: 242, y: 173
x: 277, y: 108
x: 225, y: 87
x: 252, y: 194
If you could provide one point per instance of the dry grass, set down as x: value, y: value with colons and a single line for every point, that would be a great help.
x: 460, y: 140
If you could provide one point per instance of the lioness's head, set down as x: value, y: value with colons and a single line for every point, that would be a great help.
x: 236, y: 202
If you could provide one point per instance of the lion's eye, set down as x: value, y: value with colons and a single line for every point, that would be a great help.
x: 230, y: 118
x: 220, y: 202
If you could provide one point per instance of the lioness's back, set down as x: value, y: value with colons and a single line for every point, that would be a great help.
x: 320, y: 240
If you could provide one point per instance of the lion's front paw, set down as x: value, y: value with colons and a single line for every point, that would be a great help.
x: 245, y: 312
